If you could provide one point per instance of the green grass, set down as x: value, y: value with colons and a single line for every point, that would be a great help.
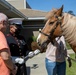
x: 72, y: 69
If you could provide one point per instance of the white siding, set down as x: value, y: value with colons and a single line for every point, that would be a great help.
x: 19, y: 4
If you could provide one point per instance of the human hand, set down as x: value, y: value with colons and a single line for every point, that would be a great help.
x: 19, y: 60
x: 31, y: 54
x: 69, y: 61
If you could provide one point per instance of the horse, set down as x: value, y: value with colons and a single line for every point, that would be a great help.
x: 58, y: 23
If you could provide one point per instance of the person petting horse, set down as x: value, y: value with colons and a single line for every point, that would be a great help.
x: 56, y: 54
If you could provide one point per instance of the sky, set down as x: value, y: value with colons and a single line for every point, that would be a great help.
x: 47, y: 5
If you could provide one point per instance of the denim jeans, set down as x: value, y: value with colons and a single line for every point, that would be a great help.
x: 55, y: 68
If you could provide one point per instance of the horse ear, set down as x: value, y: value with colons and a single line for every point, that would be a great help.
x: 59, y: 12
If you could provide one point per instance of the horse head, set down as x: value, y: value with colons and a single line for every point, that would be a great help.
x: 52, y: 28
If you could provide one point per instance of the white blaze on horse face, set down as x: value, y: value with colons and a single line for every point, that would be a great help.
x: 38, y: 37
x: 40, y: 34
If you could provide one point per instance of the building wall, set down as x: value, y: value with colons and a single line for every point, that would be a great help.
x: 19, y: 4
x: 31, y: 28
x: 28, y: 33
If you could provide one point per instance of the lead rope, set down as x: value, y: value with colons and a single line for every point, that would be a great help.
x: 70, y: 58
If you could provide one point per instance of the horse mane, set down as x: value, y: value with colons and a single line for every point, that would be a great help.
x: 69, y: 28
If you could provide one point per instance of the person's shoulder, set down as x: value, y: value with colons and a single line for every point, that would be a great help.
x: 1, y: 34
x: 62, y: 37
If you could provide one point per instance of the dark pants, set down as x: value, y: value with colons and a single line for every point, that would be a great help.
x: 55, y: 68
x: 21, y: 69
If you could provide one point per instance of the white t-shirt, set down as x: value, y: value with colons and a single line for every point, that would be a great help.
x: 57, y: 52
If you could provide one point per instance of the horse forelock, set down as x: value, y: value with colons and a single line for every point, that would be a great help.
x: 50, y: 13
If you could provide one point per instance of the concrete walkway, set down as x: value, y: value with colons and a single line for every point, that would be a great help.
x: 70, y: 51
x: 36, y: 65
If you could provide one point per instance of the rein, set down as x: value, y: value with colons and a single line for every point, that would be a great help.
x: 44, y: 33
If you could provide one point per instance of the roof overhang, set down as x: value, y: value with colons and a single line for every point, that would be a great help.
x: 10, y: 11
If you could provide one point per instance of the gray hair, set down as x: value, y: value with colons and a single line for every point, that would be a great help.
x: 3, y: 17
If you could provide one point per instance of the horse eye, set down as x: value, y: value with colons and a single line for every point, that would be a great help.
x: 51, y: 22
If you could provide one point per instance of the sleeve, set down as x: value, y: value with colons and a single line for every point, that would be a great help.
x: 3, y: 42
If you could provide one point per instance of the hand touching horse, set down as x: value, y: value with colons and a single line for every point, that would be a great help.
x: 57, y: 24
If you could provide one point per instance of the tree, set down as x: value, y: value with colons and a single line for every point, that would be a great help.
x: 71, y: 12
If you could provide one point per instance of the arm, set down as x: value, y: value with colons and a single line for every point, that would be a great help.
x: 7, y: 60
x: 68, y: 57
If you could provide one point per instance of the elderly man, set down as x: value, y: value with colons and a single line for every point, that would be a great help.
x: 6, y: 65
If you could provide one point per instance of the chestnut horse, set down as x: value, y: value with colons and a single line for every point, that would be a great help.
x: 58, y: 23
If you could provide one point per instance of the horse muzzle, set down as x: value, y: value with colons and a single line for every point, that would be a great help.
x: 43, y: 46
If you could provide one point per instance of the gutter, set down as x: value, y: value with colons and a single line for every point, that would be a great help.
x: 12, y: 9
x: 36, y: 18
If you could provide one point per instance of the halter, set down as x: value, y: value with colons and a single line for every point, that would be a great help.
x: 51, y: 33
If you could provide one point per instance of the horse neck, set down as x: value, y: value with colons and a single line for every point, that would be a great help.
x: 69, y: 28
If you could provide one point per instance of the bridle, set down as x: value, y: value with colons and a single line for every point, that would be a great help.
x: 52, y: 32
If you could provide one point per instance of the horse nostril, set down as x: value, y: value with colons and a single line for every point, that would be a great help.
x: 39, y: 44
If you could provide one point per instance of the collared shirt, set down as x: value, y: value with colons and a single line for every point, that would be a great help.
x: 57, y: 51
x: 3, y: 44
